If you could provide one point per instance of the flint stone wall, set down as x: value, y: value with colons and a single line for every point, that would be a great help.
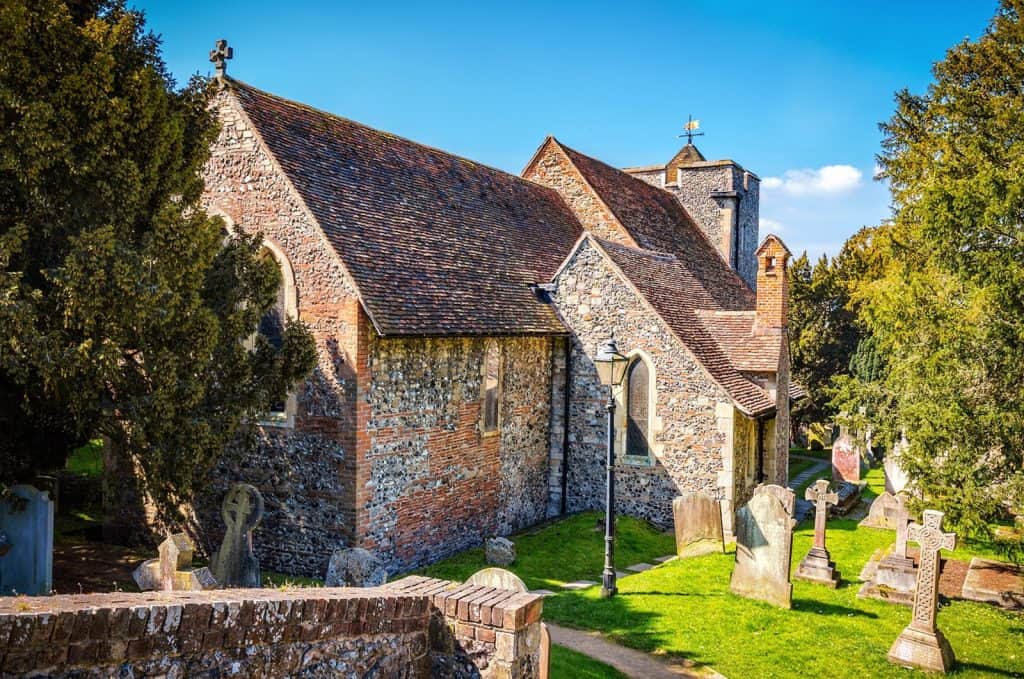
x: 689, y: 438
x: 436, y: 483
x: 416, y: 627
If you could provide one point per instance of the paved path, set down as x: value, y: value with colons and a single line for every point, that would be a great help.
x: 630, y: 662
x: 809, y: 473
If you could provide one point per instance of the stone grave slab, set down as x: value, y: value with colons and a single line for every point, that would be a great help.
x: 845, y: 459
x: 996, y: 583
x: 579, y: 584
x: 639, y: 567
x: 849, y: 496
x: 173, y: 571
x: 666, y: 559
x: 235, y: 564
x: 764, y: 547
x: 26, y: 567
x: 542, y: 592
x: 698, y: 524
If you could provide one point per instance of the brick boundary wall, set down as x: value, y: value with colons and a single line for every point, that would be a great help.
x: 416, y: 627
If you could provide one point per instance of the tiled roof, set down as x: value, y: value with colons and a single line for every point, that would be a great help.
x: 657, y: 221
x: 734, y: 332
x: 437, y: 244
x: 678, y: 296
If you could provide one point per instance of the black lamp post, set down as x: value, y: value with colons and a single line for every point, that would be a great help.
x: 611, y: 368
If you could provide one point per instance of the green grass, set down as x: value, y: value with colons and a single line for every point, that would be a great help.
x: 562, y: 552
x: 87, y: 460
x: 797, y: 466
x: 685, y: 608
x: 567, y: 664
x: 825, y: 454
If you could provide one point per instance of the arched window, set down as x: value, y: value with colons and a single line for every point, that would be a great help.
x: 638, y: 410
x: 271, y: 327
x: 491, y: 387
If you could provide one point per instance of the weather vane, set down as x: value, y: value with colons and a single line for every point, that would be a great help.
x: 220, y: 55
x: 688, y: 129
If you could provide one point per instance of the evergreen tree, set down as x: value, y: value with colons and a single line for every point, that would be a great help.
x: 947, y: 308
x: 124, y: 311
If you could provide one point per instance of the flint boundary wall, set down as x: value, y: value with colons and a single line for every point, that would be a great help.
x: 415, y: 627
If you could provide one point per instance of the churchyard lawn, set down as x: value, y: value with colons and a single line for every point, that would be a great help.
x: 684, y: 608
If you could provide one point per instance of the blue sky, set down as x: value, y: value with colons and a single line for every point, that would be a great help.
x: 793, y: 91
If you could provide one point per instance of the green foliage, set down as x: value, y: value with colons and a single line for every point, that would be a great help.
x: 87, y: 459
x: 943, y: 297
x: 822, y: 333
x: 123, y: 312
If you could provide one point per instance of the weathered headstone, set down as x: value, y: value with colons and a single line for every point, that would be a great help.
x: 893, y: 578
x: 500, y: 551
x: 818, y: 566
x: 764, y: 547
x: 845, y: 459
x: 884, y: 512
x: 173, y: 571
x: 354, y: 567
x: 27, y: 520
x: 849, y: 497
x: 235, y: 564
x: 498, y: 578
x: 921, y: 644
x: 895, y: 477
x: 698, y: 524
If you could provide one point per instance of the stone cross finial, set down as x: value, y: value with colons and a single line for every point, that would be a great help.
x: 921, y: 644
x: 822, y: 498
x: 220, y: 55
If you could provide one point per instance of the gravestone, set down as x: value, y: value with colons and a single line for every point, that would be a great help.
x: 895, y: 478
x: 27, y: 521
x: 894, y: 578
x: 818, y: 566
x: 764, y: 547
x: 500, y: 551
x: 845, y: 459
x: 849, y: 497
x: 235, y: 564
x: 498, y: 578
x: 921, y: 644
x: 354, y: 567
x: 698, y: 524
x: 884, y: 512
x: 173, y: 571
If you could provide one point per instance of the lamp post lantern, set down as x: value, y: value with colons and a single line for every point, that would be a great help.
x: 611, y: 368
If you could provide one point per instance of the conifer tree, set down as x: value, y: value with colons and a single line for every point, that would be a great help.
x: 124, y: 310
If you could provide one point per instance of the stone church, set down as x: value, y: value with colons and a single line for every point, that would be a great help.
x: 457, y: 309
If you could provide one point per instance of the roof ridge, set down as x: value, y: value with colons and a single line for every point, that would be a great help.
x: 659, y: 254
x: 234, y: 82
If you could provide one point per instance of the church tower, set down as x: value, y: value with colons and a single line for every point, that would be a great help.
x: 722, y: 198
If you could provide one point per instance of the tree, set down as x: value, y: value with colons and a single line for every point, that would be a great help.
x: 124, y: 310
x: 947, y: 309
x: 822, y: 333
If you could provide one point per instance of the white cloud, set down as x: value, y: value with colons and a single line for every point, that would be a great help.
x: 766, y: 226
x: 830, y: 179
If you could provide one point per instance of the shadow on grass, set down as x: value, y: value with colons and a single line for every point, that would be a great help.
x: 818, y: 607
x: 986, y: 669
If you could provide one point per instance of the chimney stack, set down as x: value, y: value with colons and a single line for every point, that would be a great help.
x: 772, y: 287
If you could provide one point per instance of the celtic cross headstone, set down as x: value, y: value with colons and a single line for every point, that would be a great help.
x: 921, y: 644
x: 235, y: 564
x: 818, y: 566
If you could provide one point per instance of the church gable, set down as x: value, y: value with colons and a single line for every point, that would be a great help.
x: 551, y: 166
x: 437, y: 244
